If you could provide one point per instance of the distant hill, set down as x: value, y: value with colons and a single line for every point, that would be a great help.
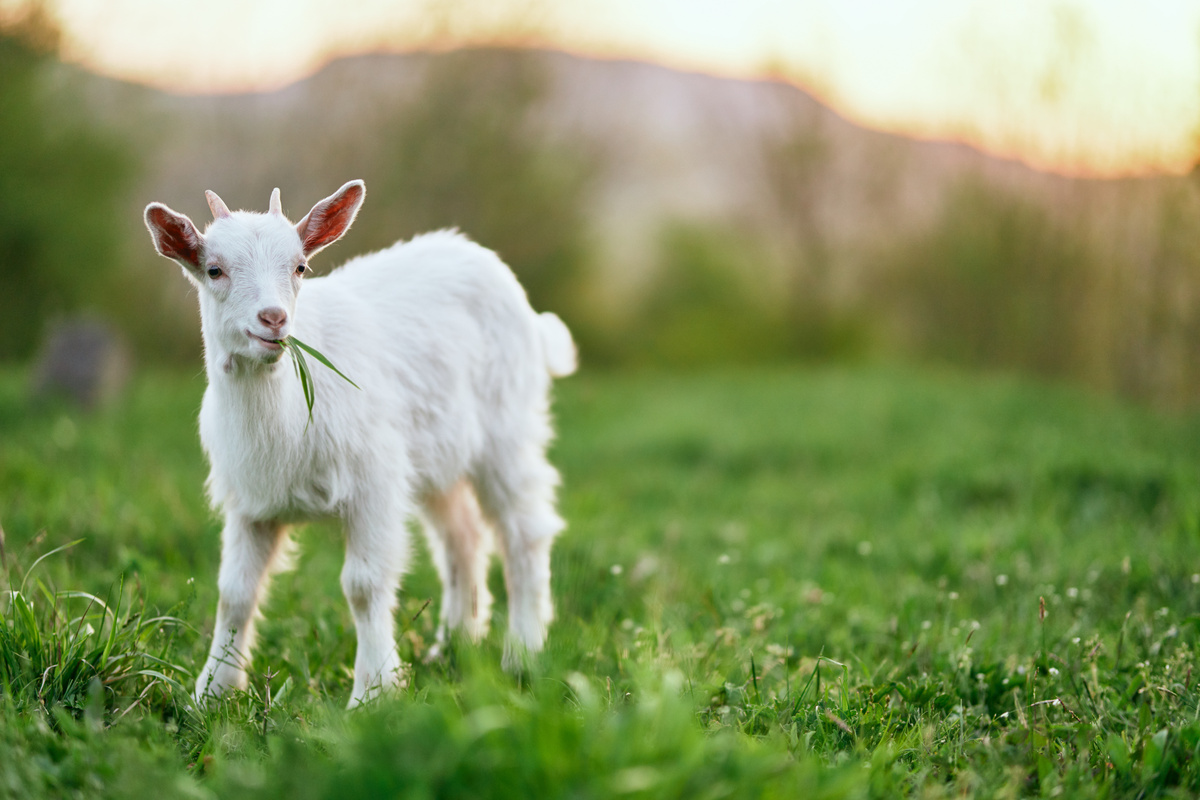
x: 671, y: 145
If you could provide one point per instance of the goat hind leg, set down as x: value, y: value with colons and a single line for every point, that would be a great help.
x: 522, y: 509
x: 461, y: 544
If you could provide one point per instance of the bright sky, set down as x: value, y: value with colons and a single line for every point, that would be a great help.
x: 1083, y: 86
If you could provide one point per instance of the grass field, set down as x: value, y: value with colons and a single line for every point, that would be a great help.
x: 779, y: 583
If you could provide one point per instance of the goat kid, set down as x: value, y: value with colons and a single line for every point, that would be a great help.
x: 451, y: 423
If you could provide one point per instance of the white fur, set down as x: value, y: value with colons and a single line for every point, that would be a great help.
x: 451, y: 423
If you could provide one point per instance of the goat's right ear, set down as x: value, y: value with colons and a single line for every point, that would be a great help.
x: 174, y: 236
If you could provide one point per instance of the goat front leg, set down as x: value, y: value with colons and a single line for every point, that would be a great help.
x: 377, y: 552
x: 247, y: 550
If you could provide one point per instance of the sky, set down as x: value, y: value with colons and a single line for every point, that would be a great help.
x: 1086, y: 87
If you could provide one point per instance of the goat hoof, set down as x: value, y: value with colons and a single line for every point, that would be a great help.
x: 438, y: 653
x: 519, y: 660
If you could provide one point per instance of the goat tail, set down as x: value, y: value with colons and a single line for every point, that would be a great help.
x: 557, y: 345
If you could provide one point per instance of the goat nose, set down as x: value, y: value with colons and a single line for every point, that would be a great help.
x: 273, y: 317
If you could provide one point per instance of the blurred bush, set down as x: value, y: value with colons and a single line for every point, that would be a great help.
x: 999, y: 282
x: 705, y: 306
x: 60, y: 181
x: 714, y: 300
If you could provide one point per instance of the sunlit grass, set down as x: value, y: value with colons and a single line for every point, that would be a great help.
x: 775, y: 583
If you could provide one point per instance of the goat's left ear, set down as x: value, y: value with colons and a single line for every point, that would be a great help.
x: 174, y: 236
x: 331, y: 217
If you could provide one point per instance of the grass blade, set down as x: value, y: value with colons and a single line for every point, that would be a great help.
x: 312, y: 352
x: 44, y: 556
x: 297, y: 349
x: 306, y: 383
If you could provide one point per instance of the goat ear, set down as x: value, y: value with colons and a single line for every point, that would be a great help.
x: 174, y: 236
x: 331, y: 217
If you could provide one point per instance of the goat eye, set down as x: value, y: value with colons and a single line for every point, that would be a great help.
x: 214, y: 272
x: 300, y: 269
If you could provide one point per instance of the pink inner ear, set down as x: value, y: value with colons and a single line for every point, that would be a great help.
x: 176, y: 238
x: 329, y: 220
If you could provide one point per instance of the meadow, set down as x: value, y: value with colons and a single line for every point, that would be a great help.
x: 780, y: 582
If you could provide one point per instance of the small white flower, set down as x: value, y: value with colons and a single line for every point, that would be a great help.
x: 1054, y: 670
x: 616, y: 569
x: 953, y: 595
x: 926, y: 625
x: 1001, y: 580
x: 723, y: 558
x: 1072, y: 592
x: 646, y: 566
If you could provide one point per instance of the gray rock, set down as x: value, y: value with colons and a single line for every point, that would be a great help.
x: 83, y: 359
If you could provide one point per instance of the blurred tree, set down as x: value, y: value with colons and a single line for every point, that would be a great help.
x: 1156, y: 306
x: 60, y: 179
x: 469, y: 153
x: 997, y: 283
x: 798, y: 170
x: 798, y: 177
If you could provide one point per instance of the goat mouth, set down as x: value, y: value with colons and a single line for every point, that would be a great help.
x: 270, y: 344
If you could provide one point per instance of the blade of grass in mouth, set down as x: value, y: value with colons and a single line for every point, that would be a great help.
x: 297, y: 349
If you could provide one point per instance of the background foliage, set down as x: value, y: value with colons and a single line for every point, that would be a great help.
x: 1095, y: 282
x: 61, y: 178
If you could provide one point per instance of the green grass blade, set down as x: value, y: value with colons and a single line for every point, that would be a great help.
x: 306, y: 384
x: 297, y: 349
x: 114, y: 625
x: 315, y: 354
x: 43, y: 558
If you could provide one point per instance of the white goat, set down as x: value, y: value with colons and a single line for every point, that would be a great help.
x: 452, y: 422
